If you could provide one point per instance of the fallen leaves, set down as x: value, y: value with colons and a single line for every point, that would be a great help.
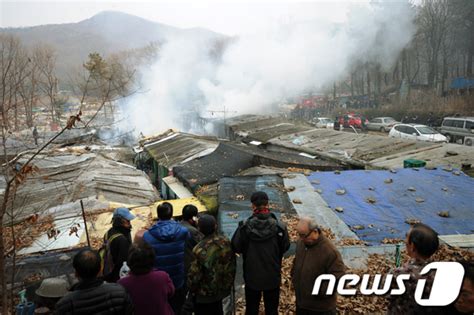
x: 291, y: 222
x: 280, y: 187
x: 71, y: 122
x: 305, y: 171
x: 28, y: 231
x: 358, y: 304
x: 233, y: 215
x: 23, y: 173
x: 371, y: 200
x: 392, y: 241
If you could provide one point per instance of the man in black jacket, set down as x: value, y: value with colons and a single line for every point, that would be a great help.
x: 262, y: 241
x: 189, y: 213
x: 120, y: 241
x: 92, y: 295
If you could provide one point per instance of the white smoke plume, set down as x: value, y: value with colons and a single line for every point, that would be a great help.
x: 293, y: 54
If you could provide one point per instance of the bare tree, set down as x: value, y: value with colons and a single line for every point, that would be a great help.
x: 105, y: 80
x: 45, y: 59
x: 433, y: 23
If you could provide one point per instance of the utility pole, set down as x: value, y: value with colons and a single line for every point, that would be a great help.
x: 224, y: 112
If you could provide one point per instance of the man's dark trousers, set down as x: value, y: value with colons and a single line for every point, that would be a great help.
x: 271, y: 299
x: 214, y: 308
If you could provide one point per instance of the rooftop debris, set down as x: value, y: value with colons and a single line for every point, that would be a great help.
x: 444, y: 214
x: 412, y: 221
x: 297, y: 201
x: 371, y: 200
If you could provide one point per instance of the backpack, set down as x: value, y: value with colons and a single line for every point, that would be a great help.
x: 106, y: 260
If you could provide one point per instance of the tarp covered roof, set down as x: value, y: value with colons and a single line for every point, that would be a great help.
x: 232, y: 158
x: 462, y: 83
x: 234, y: 199
x: 386, y: 200
x: 226, y: 160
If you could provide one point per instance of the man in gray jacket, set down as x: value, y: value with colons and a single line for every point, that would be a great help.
x: 262, y: 240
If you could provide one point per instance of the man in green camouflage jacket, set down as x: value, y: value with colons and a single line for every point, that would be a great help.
x: 212, y: 272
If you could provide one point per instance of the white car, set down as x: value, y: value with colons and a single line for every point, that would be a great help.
x: 416, y: 132
x: 323, y: 122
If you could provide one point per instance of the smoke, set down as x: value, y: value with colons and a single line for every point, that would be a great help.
x: 293, y: 54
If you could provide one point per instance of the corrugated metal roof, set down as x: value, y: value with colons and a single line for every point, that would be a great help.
x: 176, y: 148
x: 263, y: 128
x: 373, y: 150
x: 64, y: 178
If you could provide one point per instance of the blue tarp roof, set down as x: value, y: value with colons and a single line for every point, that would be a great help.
x: 462, y: 83
x: 394, y: 203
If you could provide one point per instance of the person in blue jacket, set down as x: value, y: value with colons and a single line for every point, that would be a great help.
x: 168, y: 239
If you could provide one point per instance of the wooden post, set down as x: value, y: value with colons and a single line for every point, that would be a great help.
x: 85, y: 224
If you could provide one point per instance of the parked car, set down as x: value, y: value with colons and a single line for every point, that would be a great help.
x: 323, y: 122
x: 383, y: 124
x: 416, y: 132
x: 352, y: 119
x: 458, y: 128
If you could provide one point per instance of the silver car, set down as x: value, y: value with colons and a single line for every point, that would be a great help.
x: 458, y: 129
x: 382, y: 124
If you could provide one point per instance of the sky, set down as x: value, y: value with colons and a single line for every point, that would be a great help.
x: 282, y: 50
x: 224, y: 16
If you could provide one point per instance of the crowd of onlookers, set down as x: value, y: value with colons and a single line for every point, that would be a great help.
x: 188, y: 267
